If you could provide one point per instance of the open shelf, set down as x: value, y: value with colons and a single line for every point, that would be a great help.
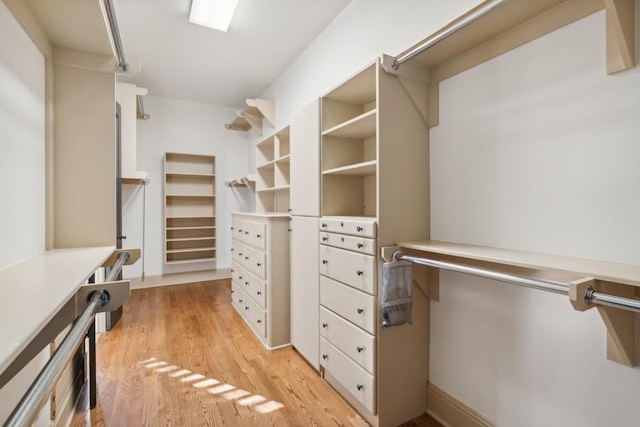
x: 190, y: 208
x: 361, y: 127
x: 628, y: 274
x: 273, y: 158
x: 361, y: 169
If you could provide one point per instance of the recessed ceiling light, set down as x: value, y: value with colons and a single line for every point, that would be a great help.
x: 214, y: 14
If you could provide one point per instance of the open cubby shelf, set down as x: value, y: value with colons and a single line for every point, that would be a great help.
x: 190, y: 208
x: 273, y: 158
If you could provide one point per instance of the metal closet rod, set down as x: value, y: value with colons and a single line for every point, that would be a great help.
x: 458, y: 25
x: 28, y: 409
x: 115, y: 34
x: 590, y: 297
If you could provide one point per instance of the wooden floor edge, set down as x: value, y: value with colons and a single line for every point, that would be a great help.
x: 179, y: 278
x: 449, y: 411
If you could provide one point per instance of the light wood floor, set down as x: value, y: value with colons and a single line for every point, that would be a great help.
x: 182, y: 356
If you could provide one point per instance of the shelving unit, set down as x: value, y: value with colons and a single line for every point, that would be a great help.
x: 273, y: 157
x: 374, y: 146
x: 349, y: 147
x: 190, y: 208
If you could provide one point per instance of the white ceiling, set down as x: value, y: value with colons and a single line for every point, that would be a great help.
x: 185, y: 61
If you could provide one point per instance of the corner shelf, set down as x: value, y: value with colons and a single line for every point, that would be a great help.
x: 252, y: 116
x: 190, y: 208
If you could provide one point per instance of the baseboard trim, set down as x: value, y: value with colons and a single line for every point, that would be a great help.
x: 179, y: 278
x: 450, y: 412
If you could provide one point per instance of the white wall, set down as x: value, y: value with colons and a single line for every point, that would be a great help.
x: 536, y: 150
x: 363, y: 31
x: 22, y: 170
x: 183, y: 127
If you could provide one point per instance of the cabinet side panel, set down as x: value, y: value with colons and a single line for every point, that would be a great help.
x: 305, y: 291
x: 84, y: 158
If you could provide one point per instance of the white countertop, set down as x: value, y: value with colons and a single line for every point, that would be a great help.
x: 34, y: 290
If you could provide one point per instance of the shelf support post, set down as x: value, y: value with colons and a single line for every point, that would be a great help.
x: 620, y: 324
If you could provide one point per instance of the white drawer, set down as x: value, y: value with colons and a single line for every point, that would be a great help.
x: 237, y: 252
x: 354, y: 269
x: 256, y: 289
x: 238, y: 229
x: 355, y: 306
x: 356, y: 380
x: 356, y: 226
x: 256, y: 317
x: 255, y: 261
x: 237, y: 297
x: 359, y: 345
x: 256, y: 234
x: 352, y: 243
x: 237, y: 274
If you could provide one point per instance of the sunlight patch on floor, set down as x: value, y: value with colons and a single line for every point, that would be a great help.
x: 229, y: 392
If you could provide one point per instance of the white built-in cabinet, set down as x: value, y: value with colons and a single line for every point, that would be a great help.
x: 272, y: 167
x: 260, y: 274
x: 305, y: 210
x: 305, y: 294
x: 305, y: 163
x: 375, y: 180
x: 189, y: 208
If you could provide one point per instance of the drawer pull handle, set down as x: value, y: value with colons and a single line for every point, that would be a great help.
x: 231, y: 249
x: 324, y: 225
x: 240, y: 277
x: 360, y: 272
x: 360, y: 310
x: 232, y: 228
x: 246, y: 283
x: 360, y: 246
x: 259, y: 321
x: 324, y: 325
x: 232, y: 291
x: 359, y: 229
x: 342, y: 239
x: 325, y: 238
x: 240, y: 254
x: 246, y: 308
x: 324, y: 261
x: 359, y: 387
x: 246, y: 232
x: 325, y: 357
x: 239, y: 231
x: 259, y: 292
x: 246, y: 257
x: 342, y: 224
x: 360, y: 349
x: 258, y: 264
x: 232, y: 270
x: 259, y: 236
x: 239, y: 300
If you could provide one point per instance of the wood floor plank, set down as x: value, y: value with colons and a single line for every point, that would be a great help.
x: 182, y: 356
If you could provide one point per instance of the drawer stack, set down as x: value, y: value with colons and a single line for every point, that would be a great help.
x: 260, y: 275
x: 348, y: 308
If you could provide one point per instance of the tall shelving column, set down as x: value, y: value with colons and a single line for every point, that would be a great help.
x: 190, y: 208
x: 375, y: 189
x: 272, y: 167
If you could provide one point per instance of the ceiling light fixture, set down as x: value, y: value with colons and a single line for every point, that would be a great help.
x: 214, y: 14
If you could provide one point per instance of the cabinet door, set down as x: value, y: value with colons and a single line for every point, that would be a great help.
x: 305, y: 161
x: 305, y: 300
